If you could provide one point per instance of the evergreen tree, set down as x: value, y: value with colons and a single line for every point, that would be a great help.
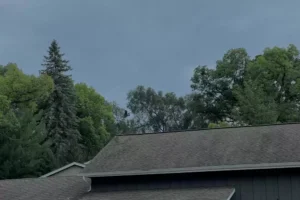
x: 60, y: 109
x: 21, y: 154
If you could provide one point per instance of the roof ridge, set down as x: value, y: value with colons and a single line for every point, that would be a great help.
x: 62, y: 168
x: 203, y: 129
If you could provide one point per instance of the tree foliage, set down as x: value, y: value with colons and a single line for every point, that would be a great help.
x: 213, y: 96
x: 248, y: 91
x: 123, y: 124
x: 21, y: 130
x: 218, y: 125
x: 155, y: 111
x: 95, y: 120
x: 24, y: 90
x: 271, y: 93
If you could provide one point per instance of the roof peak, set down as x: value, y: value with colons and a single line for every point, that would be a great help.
x: 203, y: 129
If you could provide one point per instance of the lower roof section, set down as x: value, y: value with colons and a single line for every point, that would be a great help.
x: 52, y: 188
x: 163, y: 194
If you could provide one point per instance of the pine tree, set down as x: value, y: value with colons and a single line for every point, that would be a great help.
x: 60, y: 109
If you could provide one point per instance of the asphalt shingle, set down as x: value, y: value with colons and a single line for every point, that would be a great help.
x: 203, y: 148
x: 52, y: 188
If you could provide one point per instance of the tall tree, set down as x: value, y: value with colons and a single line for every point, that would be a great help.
x: 60, y: 109
x: 95, y: 120
x: 241, y: 90
x: 155, y: 111
x: 21, y: 130
x: 271, y: 87
x: 213, y: 98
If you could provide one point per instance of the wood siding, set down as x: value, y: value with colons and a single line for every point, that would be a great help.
x: 249, y: 185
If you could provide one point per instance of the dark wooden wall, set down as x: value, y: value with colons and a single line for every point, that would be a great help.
x: 250, y: 185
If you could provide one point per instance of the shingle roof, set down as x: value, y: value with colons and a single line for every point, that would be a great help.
x: 52, y: 188
x: 74, y: 188
x: 162, y: 194
x: 205, y: 150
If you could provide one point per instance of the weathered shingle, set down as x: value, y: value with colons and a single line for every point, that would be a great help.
x: 198, y: 149
x: 163, y: 194
x: 56, y: 188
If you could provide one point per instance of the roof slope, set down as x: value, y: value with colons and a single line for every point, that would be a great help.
x: 239, y: 148
x: 51, y: 188
x: 162, y: 194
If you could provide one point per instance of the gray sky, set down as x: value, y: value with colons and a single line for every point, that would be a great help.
x: 115, y: 45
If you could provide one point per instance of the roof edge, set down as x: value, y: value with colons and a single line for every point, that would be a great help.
x: 243, y: 167
x: 62, y: 168
x: 203, y: 129
x: 231, y: 195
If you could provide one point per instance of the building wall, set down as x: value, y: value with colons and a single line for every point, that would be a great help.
x: 250, y: 185
x: 74, y: 170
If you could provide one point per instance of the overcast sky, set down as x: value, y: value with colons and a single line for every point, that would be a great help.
x: 115, y: 45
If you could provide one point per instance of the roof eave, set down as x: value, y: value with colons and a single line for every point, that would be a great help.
x: 195, y: 169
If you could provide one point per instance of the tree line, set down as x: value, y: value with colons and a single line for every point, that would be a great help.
x: 239, y: 91
x: 47, y: 121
